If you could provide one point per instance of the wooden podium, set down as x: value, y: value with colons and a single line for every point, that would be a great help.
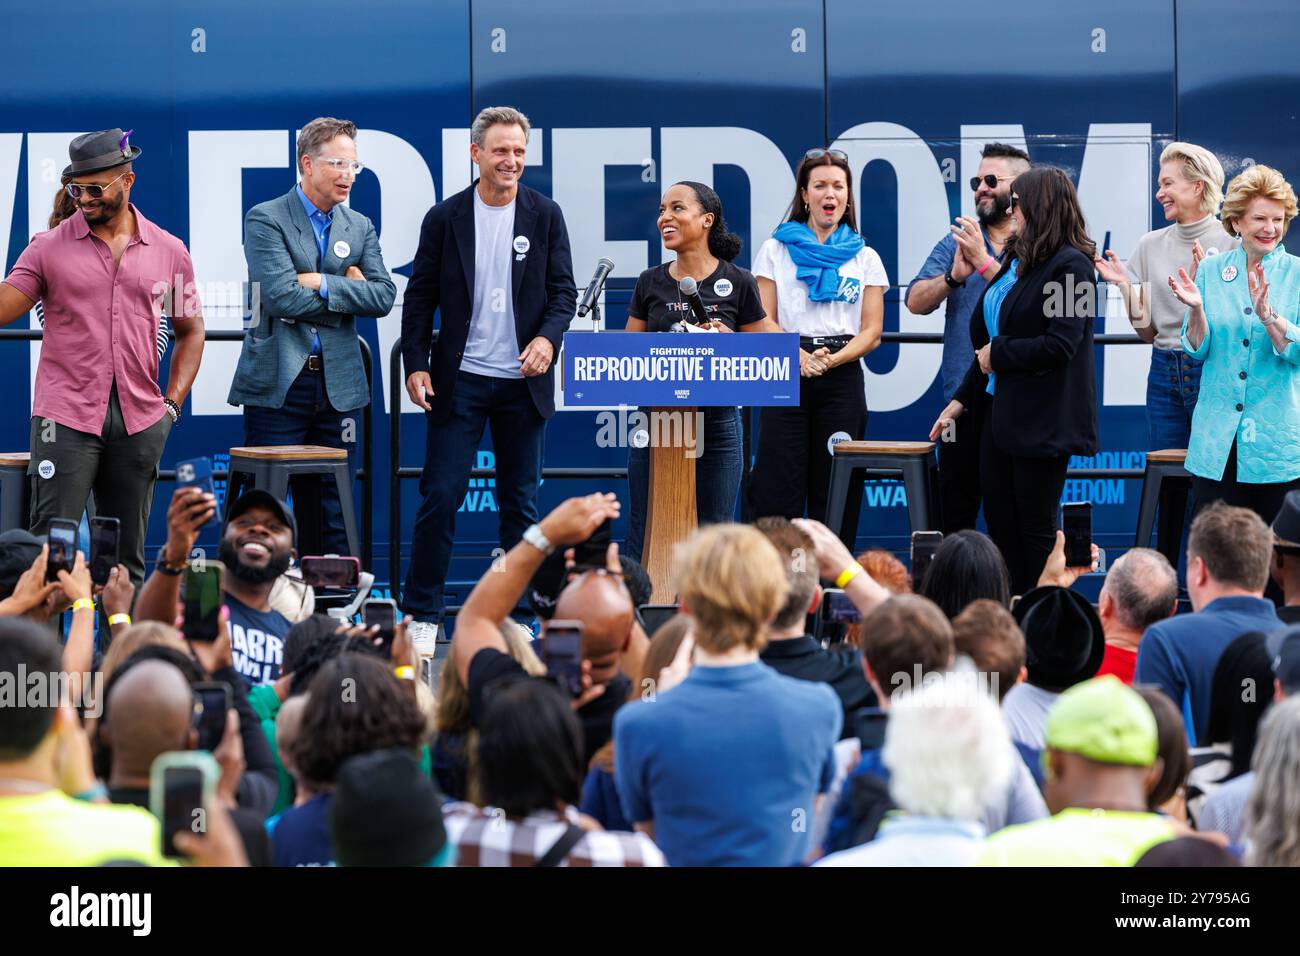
x: 670, y: 505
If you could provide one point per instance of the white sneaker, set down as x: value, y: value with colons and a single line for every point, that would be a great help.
x: 424, y: 637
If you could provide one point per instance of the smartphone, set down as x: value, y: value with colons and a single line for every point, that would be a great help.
x: 182, y: 786
x: 212, y: 700
x: 837, y: 608
x: 562, y: 652
x: 330, y: 572
x: 197, y: 473
x: 381, y: 611
x: 924, y: 545
x: 62, y: 536
x: 104, y: 536
x: 655, y: 616
x: 1076, y: 522
x: 203, y: 588
x: 591, y: 553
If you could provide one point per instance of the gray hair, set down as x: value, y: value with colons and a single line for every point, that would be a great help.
x: 947, y: 747
x: 1272, y: 824
x: 1144, y: 585
x: 319, y: 132
x: 496, y: 116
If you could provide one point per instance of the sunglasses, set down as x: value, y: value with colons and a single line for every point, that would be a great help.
x: 1014, y: 201
x: 817, y: 153
x: 988, y: 180
x: 93, y: 190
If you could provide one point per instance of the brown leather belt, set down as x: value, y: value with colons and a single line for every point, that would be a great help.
x: 315, y: 363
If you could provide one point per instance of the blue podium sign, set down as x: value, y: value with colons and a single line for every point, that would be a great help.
x: 659, y: 368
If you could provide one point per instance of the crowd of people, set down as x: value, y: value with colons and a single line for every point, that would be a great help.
x: 964, y: 725
x: 995, y: 717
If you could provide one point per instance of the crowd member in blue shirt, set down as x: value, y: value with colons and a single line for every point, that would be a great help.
x: 726, y: 767
x: 1228, y: 555
x: 953, y: 273
x: 1242, y: 321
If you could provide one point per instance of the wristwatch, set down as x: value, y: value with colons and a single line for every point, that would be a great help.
x: 952, y: 283
x: 538, y: 540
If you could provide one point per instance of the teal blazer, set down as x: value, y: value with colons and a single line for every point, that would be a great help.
x: 1250, y: 392
x: 279, y: 244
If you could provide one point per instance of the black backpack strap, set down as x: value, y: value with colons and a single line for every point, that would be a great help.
x: 560, y: 849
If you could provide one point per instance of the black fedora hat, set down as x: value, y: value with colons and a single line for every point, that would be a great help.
x: 94, y: 152
x: 1286, y: 526
x: 1064, y: 642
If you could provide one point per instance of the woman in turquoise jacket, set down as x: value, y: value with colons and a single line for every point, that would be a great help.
x: 1243, y: 322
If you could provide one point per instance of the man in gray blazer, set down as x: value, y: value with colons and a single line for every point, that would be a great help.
x: 314, y: 265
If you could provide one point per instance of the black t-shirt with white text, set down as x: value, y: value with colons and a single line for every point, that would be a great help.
x: 257, y: 641
x: 730, y: 295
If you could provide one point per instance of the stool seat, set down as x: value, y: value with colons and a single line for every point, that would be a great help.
x: 883, y: 448
x: 15, y: 490
x: 289, y: 452
x: 1178, y: 455
x: 852, y: 461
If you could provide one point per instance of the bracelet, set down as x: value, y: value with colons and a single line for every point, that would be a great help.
x: 987, y: 262
x: 173, y: 409
x: 162, y: 567
x: 405, y: 672
x: 116, y: 619
x: 848, y: 574
x: 96, y: 791
x: 83, y: 604
x: 1272, y: 317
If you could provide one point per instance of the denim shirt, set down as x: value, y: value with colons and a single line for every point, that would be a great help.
x: 1249, y: 391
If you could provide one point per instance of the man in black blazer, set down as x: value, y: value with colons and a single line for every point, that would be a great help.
x: 494, y: 261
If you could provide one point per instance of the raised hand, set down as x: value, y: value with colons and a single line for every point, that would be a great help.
x: 1111, y: 269
x: 1197, y: 255
x: 1184, y: 289
x: 1259, y: 292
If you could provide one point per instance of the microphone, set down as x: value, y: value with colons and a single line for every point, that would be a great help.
x: 690, y: 291
x: 603, y: 268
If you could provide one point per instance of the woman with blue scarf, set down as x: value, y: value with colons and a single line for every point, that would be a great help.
x: 818, y: 278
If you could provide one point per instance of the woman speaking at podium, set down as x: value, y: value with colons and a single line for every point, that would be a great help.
x: 692, y: 227
x: 817, y: 277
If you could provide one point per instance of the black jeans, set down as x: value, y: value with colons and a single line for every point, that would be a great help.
x: 1022, y: 498
x: 506, y: 406
x: 1264, y: 500
x: 959, y: 472
x: 792, y: 467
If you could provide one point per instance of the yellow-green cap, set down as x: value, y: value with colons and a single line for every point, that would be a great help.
x: 1104, y: 720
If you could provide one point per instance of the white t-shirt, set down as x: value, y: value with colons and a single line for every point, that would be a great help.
x: 492, y: 347
x: 795, y: 312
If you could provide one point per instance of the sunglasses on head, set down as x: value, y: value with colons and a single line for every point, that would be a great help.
x: 988, y: 180
x: 817, y: 153
x: 93, y: 190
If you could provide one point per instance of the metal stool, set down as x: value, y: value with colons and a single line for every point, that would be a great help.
x: 1164, y: 470
x: 270, y: 467
x: 913, y: 460
x: 15, y: 491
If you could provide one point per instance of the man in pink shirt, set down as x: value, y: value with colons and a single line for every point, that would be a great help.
x: 103, y: 277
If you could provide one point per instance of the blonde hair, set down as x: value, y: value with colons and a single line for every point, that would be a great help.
x: 732, y: 580
x: 1255, y: 183
x: 453, y: 699
x: 1199, y: 166
x: 134, y: 637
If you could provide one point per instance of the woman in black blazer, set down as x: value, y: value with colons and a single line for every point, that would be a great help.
x: 1033, y: 370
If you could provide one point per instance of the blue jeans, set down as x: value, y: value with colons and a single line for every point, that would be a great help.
x: 1173, y: 385
x: 506, y: 406
x: 308, y: 418
x: 717, y: 477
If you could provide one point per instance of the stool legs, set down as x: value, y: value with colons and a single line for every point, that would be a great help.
x: 1151, y: 482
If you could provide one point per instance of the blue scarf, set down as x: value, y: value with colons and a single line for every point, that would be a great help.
x: 817, y: 264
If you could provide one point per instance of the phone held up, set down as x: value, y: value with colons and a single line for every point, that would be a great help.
x: 203, y: 590
x: 62, y: 537
x: 562, y: 653
x: 1076, y: 522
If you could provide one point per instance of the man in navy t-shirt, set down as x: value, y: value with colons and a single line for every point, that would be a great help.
x: 726, y: 768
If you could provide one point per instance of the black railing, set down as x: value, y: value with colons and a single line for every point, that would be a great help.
x: 365, y: 471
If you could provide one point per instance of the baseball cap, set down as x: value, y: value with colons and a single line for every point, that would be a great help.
x: 18, y: 549
x: 1284, y: 649
x: 259, y: 498
x: 1104, y: 720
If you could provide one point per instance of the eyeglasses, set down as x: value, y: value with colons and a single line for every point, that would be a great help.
x: 93, y: 190
x: 988, y: 180
x: 343, y: 165
x: 817, y: 153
